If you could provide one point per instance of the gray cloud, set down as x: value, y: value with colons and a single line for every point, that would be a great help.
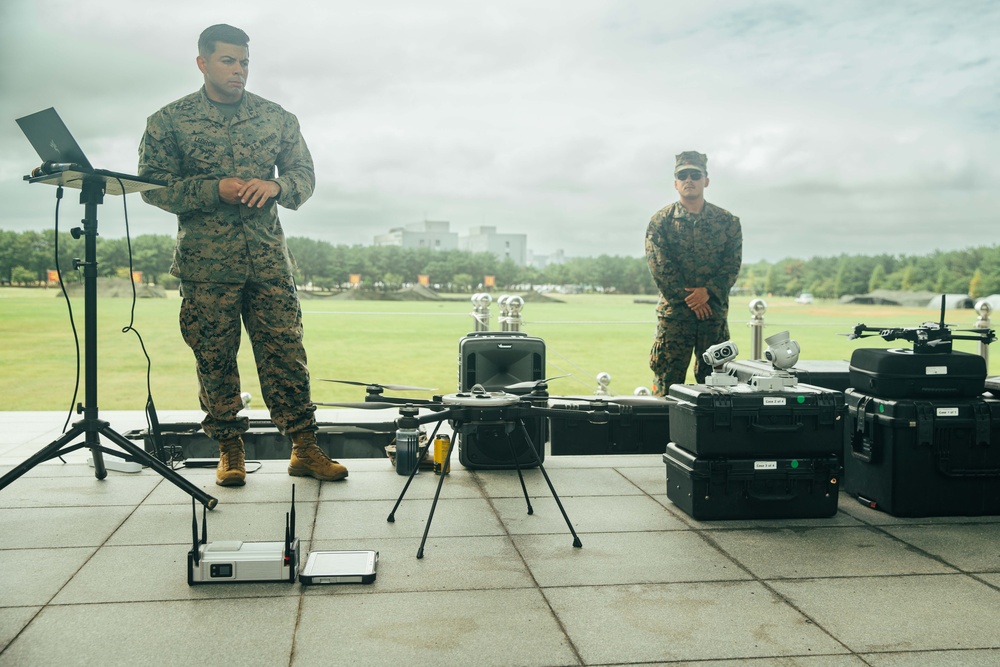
x: 860, y: 126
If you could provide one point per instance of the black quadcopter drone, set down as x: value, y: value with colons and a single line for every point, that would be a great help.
x: 467, y: 411
x: 929, y: 337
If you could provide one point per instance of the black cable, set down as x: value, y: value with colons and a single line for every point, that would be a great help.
x: 152, y: 424
x: 72, y: 322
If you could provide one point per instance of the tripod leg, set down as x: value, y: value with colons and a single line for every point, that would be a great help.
x: 94, y: 443
x: 576, y: 540
x: 520, y: 475
x: 430, y: 443
x: 142, y: 456
x: 430, y: 516
x: 50, y: 451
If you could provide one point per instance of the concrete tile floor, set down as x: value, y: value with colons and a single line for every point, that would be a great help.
x: 93, y: 572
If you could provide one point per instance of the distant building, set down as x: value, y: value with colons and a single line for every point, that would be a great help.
x: 503, y: 246
x: 432, y: 234
x: 542, y: 261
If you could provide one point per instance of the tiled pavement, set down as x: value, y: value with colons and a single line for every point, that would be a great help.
x: 93, y: 572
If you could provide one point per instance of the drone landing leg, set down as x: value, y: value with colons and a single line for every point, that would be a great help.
x: 437, y: 493
x: 517, y: 464
x: 576, y: 539
x: 430, y: 443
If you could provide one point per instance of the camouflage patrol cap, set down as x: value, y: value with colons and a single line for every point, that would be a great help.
x: 692, y: 160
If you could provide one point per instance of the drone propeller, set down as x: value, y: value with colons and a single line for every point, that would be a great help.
x: 377, y: 405
x: 391, y: 387
x: 532, y: 384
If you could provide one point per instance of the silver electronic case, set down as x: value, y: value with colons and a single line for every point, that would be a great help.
x: 339, y: 567
x: 233, y: 561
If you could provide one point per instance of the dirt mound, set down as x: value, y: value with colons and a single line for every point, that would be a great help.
x: 119, y: 288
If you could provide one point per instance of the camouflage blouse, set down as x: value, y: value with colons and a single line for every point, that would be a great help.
x: 190, y: 145
x: 694, y: 250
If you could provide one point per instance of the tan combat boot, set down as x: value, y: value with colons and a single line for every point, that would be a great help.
x: 309, y: 459
x: 231, y: 470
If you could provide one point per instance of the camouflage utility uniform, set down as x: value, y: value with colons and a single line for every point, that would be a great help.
x: 232, y: 259
x: 690, y: 250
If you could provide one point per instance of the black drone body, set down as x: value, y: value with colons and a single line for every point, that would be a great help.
x: 929, y: 337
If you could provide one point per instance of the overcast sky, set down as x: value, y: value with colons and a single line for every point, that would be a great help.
x: 831, y: 127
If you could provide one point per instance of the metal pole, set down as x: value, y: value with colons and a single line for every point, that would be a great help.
x: 481, y: 311
x: 514, y: 306
x: 757, y: 309
x: 504, y: 312
x: 983, y: 322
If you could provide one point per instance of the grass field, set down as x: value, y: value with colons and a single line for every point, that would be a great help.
x: 389, y: 342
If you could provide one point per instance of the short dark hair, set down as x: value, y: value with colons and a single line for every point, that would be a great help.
x: 220, y: 32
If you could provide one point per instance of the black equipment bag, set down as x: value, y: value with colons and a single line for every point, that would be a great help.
x: 935, y: 457
x: 752, y: 488
x: 634, y: 429
x: 495, y: 360
x: 743, y: 422
x: 828, y: 374
x: 903, y: 373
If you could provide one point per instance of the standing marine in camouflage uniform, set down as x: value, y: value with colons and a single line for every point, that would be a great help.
x: 694, y: 250
x: 228, y: 158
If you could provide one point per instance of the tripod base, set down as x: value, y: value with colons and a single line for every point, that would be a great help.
x: 91, y: 429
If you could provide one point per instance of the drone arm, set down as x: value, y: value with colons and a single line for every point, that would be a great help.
x: 440, y: 415
x: 988, y: 336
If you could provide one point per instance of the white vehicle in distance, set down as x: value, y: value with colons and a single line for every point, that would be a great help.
x: 805, y: 297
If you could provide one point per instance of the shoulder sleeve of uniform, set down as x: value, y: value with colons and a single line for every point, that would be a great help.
x: 731, y: 257
x: 658, y: 254
x: 161, y: 158
x: 296, y: 173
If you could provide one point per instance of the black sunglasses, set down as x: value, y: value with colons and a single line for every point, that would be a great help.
x: 694, y: 175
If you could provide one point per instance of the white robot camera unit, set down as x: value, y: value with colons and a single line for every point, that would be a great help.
x: 783, y: 353
x: 717, y: 357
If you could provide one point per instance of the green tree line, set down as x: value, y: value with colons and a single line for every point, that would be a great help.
x: 973, y: 271
x: 26, y: 258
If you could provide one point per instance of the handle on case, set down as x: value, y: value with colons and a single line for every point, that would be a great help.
x: 778, y: 428
x: 864, y: 447
x: 771, y: 497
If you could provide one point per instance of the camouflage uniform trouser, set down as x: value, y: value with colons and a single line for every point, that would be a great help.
x: 210, y: 319
x: 675, y: 339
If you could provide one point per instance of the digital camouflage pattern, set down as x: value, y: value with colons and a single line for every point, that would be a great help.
x: 190, y: 145
x: 691, y: 160
x: 232, y: 260
x: 210, y: 324
x: 675, y: 341
x: 690, y: 250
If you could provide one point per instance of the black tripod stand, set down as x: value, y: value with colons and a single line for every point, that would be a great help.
x: 93, y: 187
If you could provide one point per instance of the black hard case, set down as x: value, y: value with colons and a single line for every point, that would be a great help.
x: 752, y: 488
x: 739, y: 421
x: 636, y: 429
x: 903, y: 373
x: 828, y: 374
x: 495, y: 360
x: 936, y: 457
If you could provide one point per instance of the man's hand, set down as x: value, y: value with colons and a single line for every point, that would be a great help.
x: 256, y: 192
x: 231, y: 190
x: 697, y: 300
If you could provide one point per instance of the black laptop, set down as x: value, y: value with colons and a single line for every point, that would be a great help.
x: 66, y: 163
